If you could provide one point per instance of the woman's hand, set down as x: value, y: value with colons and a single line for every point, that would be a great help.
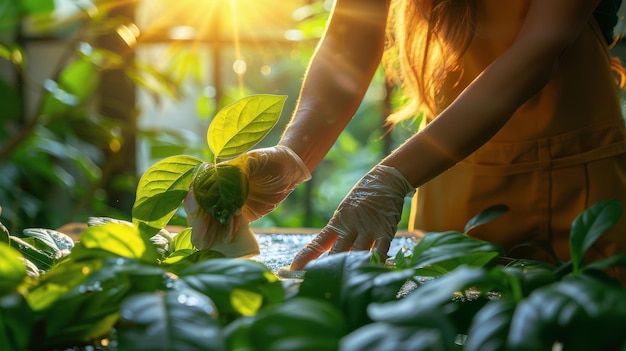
x: 367, y: 217
x: 273, y: 173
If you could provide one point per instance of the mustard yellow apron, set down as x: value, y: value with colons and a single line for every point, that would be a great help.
x: 561, y: 152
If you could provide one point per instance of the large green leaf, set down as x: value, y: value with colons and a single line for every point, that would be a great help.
x: 439, y: 253
x: 239, y: 126
x: 80, y: 299
x: 219, y: 278
x: 12, y: 269
x: 490, y: 327
x: 590, y: 225
x: 301, y: 324
x: 160, y: 192
x: 350, y: 282
x: 16, y: 322
x: 431, y: 295
x: 433, y: 332
x: 178, y: 319
x: 580, y: 311
x: 119, y: 239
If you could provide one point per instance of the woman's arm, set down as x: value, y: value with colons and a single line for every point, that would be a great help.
x: 492, y: 98
x: 369, y: 213
x: 338, y: 77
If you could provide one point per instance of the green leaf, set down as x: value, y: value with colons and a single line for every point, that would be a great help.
x: 52, y: 239
x: 119, y: 239
x: 177, y: 319
x: 239, y: 126
x: 490, y: 214
x: 160, y: 192
x: 431, y: 295
x: 80, y: 78
x: 59, y: 280
x: 185, y: 258
x: 297, y: 324
x: 90, y: 307
x: 613, y: 261
x: 12, y: 269
x: 433, y: 332
x: 182, y: 240
x: 219, y: 278
x: 580, y: 311
x: 40, y: 258
x: 439, y: 253
x: 246, y: 302
x: 531, y: 275
x: 16, y: 322
x: 590, y: 225
x: 490, y: 327
x: 75, y: 86
x: 350, y: 282
x: 324, y: 277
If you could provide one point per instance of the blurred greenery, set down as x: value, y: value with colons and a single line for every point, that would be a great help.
x: 59, y: 147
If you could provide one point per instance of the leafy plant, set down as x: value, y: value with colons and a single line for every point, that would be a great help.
x: 118, y: 288
x: 134, y: 278
x: 60, y: 146
x: 220, y: 188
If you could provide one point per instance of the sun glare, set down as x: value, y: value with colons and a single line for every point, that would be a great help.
x: 228, y: 24
x: 218, y: 19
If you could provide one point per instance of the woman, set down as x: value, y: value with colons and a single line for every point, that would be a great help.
x: 522, y: 106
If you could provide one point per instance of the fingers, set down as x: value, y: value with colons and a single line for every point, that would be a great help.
x: 382, y: 247
x: 361, y: 242
x: 320, y: 244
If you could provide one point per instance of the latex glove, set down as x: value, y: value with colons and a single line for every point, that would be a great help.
x: 367, y: 217
x: 273, y: 173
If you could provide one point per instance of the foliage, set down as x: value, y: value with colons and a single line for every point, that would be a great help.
x: 221, y: 189
x: 118, y: 291
x: 56, y: 155
x: 59, y: 144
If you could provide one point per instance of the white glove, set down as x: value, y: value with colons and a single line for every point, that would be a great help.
x: 367, y: 217
x: 273, y: 173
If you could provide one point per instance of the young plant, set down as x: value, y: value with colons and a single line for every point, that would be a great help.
x: 216, y: 189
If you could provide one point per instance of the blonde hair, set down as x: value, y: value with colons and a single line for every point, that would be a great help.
x: 426, y: 41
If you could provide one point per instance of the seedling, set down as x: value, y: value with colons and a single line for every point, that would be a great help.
x: 221, y: 189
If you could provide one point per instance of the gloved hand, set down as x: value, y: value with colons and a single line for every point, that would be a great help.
x: 273, y: 173
x: 367, y: 217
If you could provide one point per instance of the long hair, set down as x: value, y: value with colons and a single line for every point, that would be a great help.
x: 426, y: 40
